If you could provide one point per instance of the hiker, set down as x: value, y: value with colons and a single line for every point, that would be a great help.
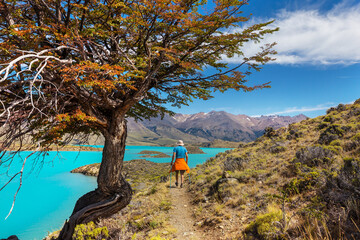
x: 179, y: 155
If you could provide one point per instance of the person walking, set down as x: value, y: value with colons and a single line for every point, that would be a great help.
x: 180, y: 155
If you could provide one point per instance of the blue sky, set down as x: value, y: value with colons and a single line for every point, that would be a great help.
x: 317, y: 66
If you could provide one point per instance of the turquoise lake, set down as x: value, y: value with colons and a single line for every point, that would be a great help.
x: 48, y: 195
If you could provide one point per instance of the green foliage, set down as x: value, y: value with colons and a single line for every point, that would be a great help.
x: 323, y: 125
x: 89, y: 231
x: 265, y: 225
x: 328, y: 119
x: 304, y: 182
x: 158, y: 238
x: 356, y: 137
x: 334, y: 148
x: 277, y: 149
x: 335, y: 143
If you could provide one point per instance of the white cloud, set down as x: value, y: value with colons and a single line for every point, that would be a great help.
x: 312, y: 37
x: 302, y: 109
x: 299, y: 110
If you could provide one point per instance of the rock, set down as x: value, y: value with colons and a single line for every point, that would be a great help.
x: 12, y: 237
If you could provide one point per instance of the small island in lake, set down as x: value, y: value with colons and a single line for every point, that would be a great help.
x: 194, y: 150
x: 153, y: 154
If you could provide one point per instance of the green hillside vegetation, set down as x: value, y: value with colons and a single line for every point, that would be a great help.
x: 299, y: 182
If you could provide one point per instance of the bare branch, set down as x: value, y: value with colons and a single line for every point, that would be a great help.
x: 21, y: 172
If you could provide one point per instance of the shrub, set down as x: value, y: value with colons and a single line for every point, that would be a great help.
x: 235, y: 163
x: 302, y: 183
x: 89, y: 232
x: 314, y: 156
x: 329, y: 119
x: 356, y: 137
x: 341, y: 107
x: 330, y: 134
x: 330, y: 110
x: 323, y: 125
x: 266, y: 226
x: 277, y: 148
x: 293, y: 133
x: 270, y: 132
x: 335, y: 143
x: 354, y: 111
x: 352, y: 170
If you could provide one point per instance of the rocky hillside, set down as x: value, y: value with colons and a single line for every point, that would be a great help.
x: 205, y: 127
x: 298, y: 182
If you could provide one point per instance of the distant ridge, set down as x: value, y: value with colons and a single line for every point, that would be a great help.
x: 204, y: 127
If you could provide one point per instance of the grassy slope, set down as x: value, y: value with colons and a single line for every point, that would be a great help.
x: 301, y: 181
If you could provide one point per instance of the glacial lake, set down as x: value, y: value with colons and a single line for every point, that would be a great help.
x: 48, y: 195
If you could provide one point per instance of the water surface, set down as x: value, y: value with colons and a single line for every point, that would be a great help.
x: 47, y: 196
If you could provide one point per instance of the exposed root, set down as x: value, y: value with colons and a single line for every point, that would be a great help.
x: 94, y: 205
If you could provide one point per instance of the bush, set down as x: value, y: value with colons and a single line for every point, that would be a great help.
x: 329, y: 119
x: 352, y: 170
x: 302, y: 183
x: 266, y: 226
x: 314, y: 156
x: 323, y: 125
x: 354, y: 111
x: 277, y: 148
x: 341, y: 107
x: 293, y: 133
x: 356, y: 137
x: 335, y: 143
x: 330, y: 110
x: 330, y: 134
x: 234, y: 163
x: 90, y: 232
x: 270, y: 132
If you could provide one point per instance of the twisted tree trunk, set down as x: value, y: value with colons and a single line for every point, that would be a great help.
x: 113, y: 192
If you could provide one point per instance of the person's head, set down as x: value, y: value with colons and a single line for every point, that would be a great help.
x: 180, y: 143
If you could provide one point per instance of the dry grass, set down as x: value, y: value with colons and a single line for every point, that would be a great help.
x: 266, y: 169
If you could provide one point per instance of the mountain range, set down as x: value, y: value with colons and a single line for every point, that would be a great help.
x: 204, y: 127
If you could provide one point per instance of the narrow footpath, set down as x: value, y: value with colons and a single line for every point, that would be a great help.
x: 181, y: 216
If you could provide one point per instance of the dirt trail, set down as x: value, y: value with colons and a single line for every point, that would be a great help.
x: 181, y: 215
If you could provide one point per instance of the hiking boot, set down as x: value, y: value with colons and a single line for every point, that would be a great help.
x: 176, y: 184
x: 181, y: 185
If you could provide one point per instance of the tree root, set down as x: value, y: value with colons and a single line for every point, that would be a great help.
x: 94, y: 205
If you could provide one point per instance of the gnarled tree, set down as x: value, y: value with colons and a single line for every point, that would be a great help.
x: 83, y: 66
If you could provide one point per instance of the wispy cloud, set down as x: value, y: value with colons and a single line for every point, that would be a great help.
x: 314, y: 37
x: 302, y: 109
